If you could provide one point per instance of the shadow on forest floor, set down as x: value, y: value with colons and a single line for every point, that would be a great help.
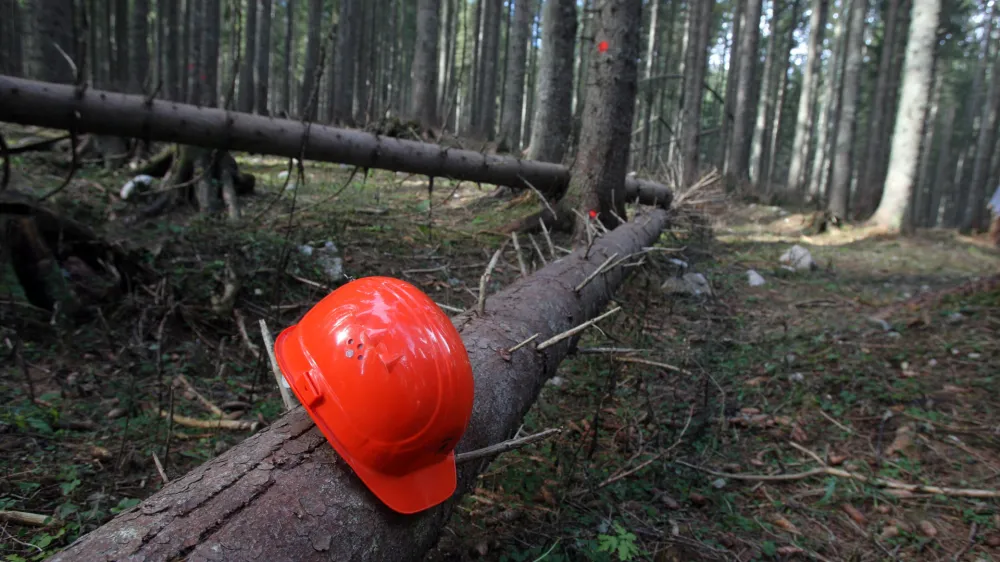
x: 741, y: 376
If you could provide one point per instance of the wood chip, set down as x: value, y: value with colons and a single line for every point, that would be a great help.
x: 782, y: 523
x: 854, y: 514
x: 927, y: 528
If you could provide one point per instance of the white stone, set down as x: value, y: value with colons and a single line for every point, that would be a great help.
x: 556, y: 381
x: 755, y: 279
x: 693, y: 284
x: 798, y: 258
x: 796, y: 377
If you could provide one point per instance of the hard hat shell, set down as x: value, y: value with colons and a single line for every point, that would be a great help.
x: 384, y: 374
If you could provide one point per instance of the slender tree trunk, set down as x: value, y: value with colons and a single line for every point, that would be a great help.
x: 110, y: 75
x: 425, y: 68
x: 263, y: 57
x: 596, y: 180
x: 650, y: 90
x: 774, y: 143
x: 210, y: 53
x: 974, y: 109
x: 172, y: 23
x: 246, y: 95
x: 289, y: 63
x: 985, y: 143
x: 490, y: 45
x: 513, y: 99
x: 347, y: 37
x: 827, y: 134
x: 530, y: 85
x: 941, y: 186
x: 732, y: 79
x: 553, y: 118
x: 807, y: 98
x: 140, y: 47
x: 51, y: 25
x: 869, y: 176
x: 917, y: 78
x: 843, y: 158
x: 121, y: 45
x: 699, y: 14
x: 196, y: 72
x: 307, y: 100
x: 446, y: 35
x: 765, y: 104
x: 739, y: 146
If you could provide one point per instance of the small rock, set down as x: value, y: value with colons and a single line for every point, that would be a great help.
x: 932, y: 363
x: 993, y: 541
x: 556, y: 382
x: 955, y: 318
x: 697, y: 499
x: 306, y: 249
x: 679, y: 263
x: 799, y: 259
x: 115, y: 413
x: 282, y: 174
x: 975, y: 355
x: 691, y: 284
x: 258, y: 292
x: 755, y: 279
x: 669, y: 502
x: 790, y: 359
x: 719, y: 483
x: 895, y: 335
x: 889, y: 531
x: 796, y: 377
x: 925, y: 288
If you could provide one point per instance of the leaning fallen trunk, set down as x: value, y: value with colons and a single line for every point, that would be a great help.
x: 283, y: 494
x: 101, y: 112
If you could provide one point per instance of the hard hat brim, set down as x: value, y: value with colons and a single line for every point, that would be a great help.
x: 407, y: 494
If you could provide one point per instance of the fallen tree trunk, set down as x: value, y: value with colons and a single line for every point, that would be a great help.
x: 100, y: 112
x: 283, y: 494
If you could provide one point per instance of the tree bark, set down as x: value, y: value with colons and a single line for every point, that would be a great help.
x: 263, y: 57
x: 739, y: 145
x: 289, y: 62
x: 513, y: 98
x: 921, y: 198
x: 917, y: 77
x: 596, y: 182
x: 807, y: 99
x: 774, y: 143
x: 140, y: 47
x: 553, y: 117
x: 44, y: 104
x: 246, y: 94
x: 196, y: 67
x: 425, y: 68
x: 695, y: 57
x: 308, y: 99
x: 283, y: 494
x: 843, y: 156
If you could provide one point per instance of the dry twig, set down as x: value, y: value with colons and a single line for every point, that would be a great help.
x: 25, y: 518
x: 159, y: 469
x: 235, y: 425
x: 505, y: 446
x: 522, y: 344
x: 241, y: 324
x: 520, y: 259
x: 215, y: 410
x: 538, y: 249
x: 600, y: 269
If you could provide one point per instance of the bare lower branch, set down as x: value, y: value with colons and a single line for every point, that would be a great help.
x: 286, y: 396
x: 522, y: 344
x: 538, y: 249
x: 552, y: 248
x: 520, y: 259
x: 600, y: 269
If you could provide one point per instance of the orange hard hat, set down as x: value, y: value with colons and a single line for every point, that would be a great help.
x: 384, y: 374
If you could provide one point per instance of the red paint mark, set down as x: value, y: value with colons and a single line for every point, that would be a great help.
x: 602, y: 47
x: 593, y: 214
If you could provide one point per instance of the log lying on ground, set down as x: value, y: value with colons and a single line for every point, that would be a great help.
x: 283, y: 494
x: 107, y: 113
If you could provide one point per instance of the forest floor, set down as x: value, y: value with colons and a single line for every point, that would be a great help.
x: 749, y: 380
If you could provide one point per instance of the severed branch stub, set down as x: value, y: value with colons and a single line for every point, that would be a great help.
x: 600, y: 269
x: 286, y: 397
x: 484, y: 280
x: 573, y: 331
x: 505, y: 446
x: 517, y: 251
